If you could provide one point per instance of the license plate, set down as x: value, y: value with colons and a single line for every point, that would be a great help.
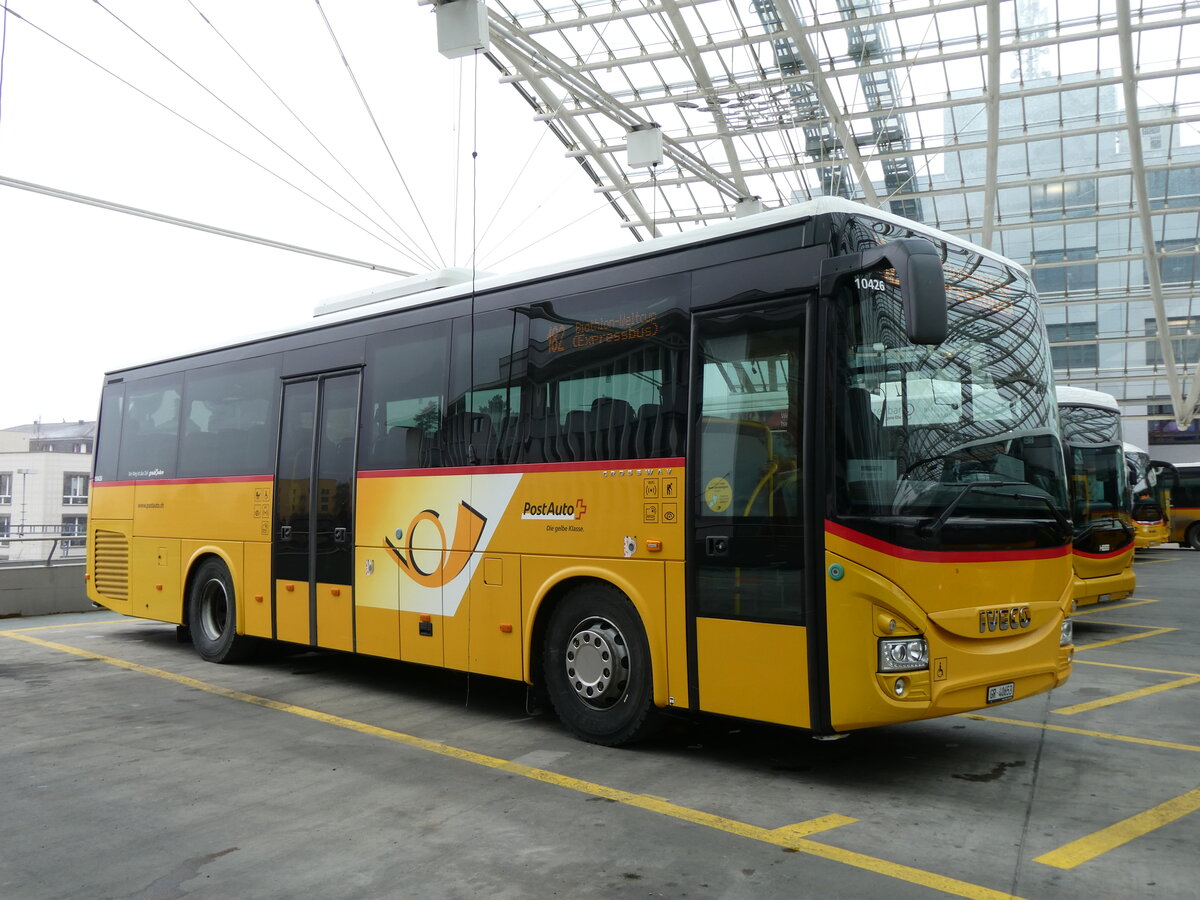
x: 999, y: 692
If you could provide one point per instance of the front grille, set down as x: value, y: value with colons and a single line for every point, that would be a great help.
x: 110, y: 565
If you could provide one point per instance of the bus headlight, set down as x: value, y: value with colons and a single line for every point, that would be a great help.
x: 1066, y: 635
x: 903, y: 654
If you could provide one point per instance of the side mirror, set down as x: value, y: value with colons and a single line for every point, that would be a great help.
x: 918, y: 267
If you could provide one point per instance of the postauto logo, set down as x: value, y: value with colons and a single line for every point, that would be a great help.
x: 554, y: 511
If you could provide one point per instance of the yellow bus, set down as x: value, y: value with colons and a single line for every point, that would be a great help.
x: 1151, y: 498
x: 1185, y: 505
x: 800, y: 468
x: 1101, y: 502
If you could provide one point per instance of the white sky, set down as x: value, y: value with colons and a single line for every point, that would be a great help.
x: 83, y: 290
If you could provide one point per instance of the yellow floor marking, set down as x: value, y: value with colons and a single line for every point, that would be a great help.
x: 1128, y: 695
x: 1153, y: 562
x: 785, y: 837
x: 814, y: 826
x: 1088, y: 848
x: 1146, y: 742
x: 1153, y: 632
x: 1110, y: 607
x: 66, y: 625
x: 1092, y: 662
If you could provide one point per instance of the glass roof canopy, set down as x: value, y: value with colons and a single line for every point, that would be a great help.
x: 1062, y: 133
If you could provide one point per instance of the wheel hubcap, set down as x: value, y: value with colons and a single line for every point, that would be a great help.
x: 597, y: 663
x: 214, y: 609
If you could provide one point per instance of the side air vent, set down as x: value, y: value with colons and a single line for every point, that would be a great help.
x: 111, y: 564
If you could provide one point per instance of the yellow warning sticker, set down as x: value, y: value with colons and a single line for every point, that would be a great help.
x: 718, y: 494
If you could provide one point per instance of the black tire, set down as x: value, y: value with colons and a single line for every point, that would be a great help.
x: 212, y: 616
x: 1193, y: 536
x: 596, y: 664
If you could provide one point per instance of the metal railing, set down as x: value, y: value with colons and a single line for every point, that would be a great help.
x: 69, y: 543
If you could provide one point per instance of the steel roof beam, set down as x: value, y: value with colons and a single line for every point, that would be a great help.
x: 912, y: 56
x: 603, y: 160
x: 696, y: 63
x: 944, y: 103
x: 992, y: 96
x: 937, y: 150
x: 612, y: 15
x: 615, y: 14
x: 537, y: 59
x: 1149, y: 245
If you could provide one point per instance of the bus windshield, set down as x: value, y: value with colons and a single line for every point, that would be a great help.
x: 953, y: 446
x: 1097, y: 465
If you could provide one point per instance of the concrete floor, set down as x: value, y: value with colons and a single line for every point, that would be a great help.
x: 129, y: 768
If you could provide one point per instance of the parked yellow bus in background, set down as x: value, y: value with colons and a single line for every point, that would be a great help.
x: 1101, y: 498
x: 1185, y: 505
x: 1151, y: 498
x: 801, y: 468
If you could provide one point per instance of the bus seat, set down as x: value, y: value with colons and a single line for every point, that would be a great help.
x: 612, y: 425
x: 258, y: 448
x: 466, y: 437
x: 538, y: 443
x: 402, y: 448
x: 483, y: 439
x: 201, y: 452
x: 577, y: 436
x: 658, y: 432
x: 233, y: 449
x: 508, y: 440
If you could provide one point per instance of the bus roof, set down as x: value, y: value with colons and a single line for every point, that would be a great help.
x: 439, y: 286
x: 1069, y: 395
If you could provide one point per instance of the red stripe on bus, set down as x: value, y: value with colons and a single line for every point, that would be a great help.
x: 216, y: 479
x: 612, y: 465
x: 946, y: 556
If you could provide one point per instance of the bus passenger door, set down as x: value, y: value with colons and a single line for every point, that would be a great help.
x: 746, y: 597
x: 313, y: 540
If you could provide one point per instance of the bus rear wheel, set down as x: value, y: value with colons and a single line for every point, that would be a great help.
x: 1193, y: 536
x: 212, y: 616
x: 596, y: 662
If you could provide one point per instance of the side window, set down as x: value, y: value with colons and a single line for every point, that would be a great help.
x: 604, y: 375
x: 749, y: 428
x: 150, y: 428
x: 1189, y: 488
x: 484, y: 424
x: 228, y: 420
x: 404, y: 397
x: 108, y: 439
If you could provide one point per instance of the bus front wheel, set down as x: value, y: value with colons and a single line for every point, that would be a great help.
x: 596, y: 662
x: 212, y: 616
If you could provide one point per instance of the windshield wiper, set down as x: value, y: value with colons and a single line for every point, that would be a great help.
x: 1112, y: 522
x: 935, y: 528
